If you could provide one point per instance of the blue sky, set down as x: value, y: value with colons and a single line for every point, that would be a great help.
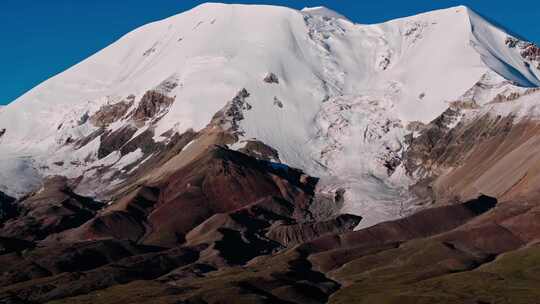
x: 40, y: 38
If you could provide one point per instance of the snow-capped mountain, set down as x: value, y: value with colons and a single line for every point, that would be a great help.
x: 335, y: 99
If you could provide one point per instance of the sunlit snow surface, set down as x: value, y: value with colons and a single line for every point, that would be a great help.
x: 347, y: 90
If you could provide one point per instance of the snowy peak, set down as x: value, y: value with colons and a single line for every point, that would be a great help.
x: 329, y: 96
x: 315, y: 55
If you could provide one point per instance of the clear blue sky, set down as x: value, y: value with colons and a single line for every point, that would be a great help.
x: 40, y: 38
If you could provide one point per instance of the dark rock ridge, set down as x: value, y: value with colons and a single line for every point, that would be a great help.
x: 112, y: 141
x: 229, y: 117
x: 110, y: 113
x: 150, y: 106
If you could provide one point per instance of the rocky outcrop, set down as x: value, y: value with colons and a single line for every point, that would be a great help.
x: 271, y: 78
x: 112, y: 141
x: 83, y: 141
x: 429, y: 150
x: 151, y: 106
x: 144, y: 141
x: 278, y: 103
x: 229, y: 117
x: 110, y: 113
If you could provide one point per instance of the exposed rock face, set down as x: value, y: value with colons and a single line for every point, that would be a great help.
x: 152, y: 103
x: 143, y: 141
x: 115, y: 140
x: 511, y: 42
x: 440, y: 147
x: 110, y: 113
x: 271, y: 78
x: 278, y: 102
x: 229, y: 117
x: 425, y: 151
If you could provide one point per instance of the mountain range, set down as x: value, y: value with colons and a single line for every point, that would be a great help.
x: 261, y: 154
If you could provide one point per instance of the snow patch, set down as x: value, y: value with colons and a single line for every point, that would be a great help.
x: 129, y: 159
